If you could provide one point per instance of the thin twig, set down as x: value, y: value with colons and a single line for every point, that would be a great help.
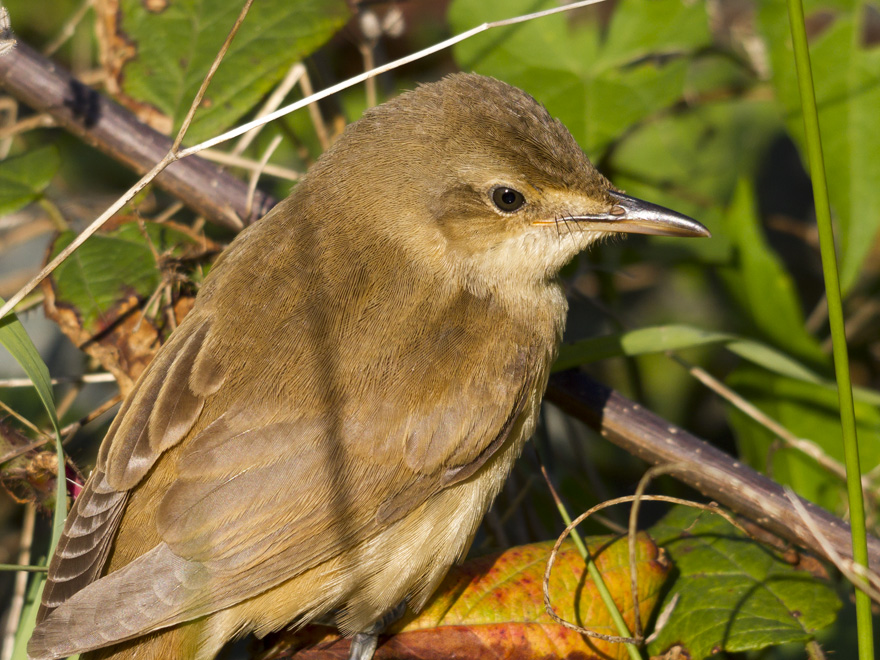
x: 168, y: 213
x: 23, y: 420
x: 315, y: 112
x: 861, y: 577
x: 96, y: 224
x: 293, y: 76
x: 516, y: 501
x: 366, y: 50
x: 865, y: 311
x: 818, y: 317
x: 390, y: 66
x: 20, y: 589
x: 632, y: 531
x: 577, y: 521
x: 42, y: 120
x: 807, y: 447
x: 56, y: 217
x: 814, y: 651
x: 64, y: 404
x: 255, y: 175
x: 249, y: 164
x: 67, y: 431
x: 663, y: 618
x: 23, y: 449
x: 142, y: 183
x: 68, y: 28
x: 595, y: 575
x: 63, y: 380
x: 187, y: 120
x: 71, y: 428
x: 8, y: 113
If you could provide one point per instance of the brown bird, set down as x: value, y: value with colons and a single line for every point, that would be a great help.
x: 321, y: 436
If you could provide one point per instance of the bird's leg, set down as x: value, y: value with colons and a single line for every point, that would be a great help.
x: 363, y: 644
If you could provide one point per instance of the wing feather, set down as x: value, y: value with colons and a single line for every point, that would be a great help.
x: 222, y: 545
x: 82, y: 549
x: 162, y: 401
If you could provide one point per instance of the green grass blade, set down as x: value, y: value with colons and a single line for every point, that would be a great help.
x: 20, y: 346
x: 835, y: 317
x: 662, y: 338
x: 595, y: 574
x: 16, y: 341
x: 28, y: 617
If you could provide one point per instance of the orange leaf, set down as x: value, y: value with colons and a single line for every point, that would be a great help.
x: 493, y: 606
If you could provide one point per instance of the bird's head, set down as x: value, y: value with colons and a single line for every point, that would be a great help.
x: 475, y: 171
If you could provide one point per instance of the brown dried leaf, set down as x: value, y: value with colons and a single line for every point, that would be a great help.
x: 97, y: 297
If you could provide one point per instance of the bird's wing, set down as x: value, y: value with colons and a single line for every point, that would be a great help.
x: 82, y: 549
x: 261, y: 495
x: 246, y: 496
x: 162, y: 408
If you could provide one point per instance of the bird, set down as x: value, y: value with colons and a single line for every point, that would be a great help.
x: 320, y: 437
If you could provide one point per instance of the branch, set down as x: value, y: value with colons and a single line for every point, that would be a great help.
x: 700, y: 465
x: 203, y: 186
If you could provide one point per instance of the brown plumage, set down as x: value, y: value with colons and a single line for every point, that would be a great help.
x: 322, y: 435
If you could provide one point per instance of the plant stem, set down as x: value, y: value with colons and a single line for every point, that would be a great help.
x: 592, y: 569
x: 835, y: 317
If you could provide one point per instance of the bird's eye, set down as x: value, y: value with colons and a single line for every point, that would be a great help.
x: 507, y: 199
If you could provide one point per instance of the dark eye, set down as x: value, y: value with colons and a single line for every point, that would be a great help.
x: 507, y: 199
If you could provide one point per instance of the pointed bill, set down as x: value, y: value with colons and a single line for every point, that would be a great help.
x: 635, y: 216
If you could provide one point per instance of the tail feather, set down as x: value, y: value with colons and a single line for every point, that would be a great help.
x: 153, y: 592
x: 82, y: 549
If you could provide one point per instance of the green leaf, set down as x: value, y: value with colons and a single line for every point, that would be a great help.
x: 809, y: 411
x: 599, y: 80
x: 23, y: 178
x: 691, y: 161
x: 28, y: 620
x: 16, y: 341
x: 109, y: 267
x: 663, y: 338
x: 733, y: 593
x: 846, y: 75
x: 172, y: 49
x: 761, y: 286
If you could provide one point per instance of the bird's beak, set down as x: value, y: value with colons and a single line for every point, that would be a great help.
x: 634, y: 216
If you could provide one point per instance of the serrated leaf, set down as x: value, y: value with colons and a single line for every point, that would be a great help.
x: 846, y: 77
x: 598, y: 81
x: 97, y: 294
x: 493, y: 607
x: 809, y: 411
x: 160, y: 57
x: 108, y: 268
x: 733, y: 593
x: 23, y: 178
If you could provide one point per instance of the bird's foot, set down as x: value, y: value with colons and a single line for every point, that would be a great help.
x: 363, y: 644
